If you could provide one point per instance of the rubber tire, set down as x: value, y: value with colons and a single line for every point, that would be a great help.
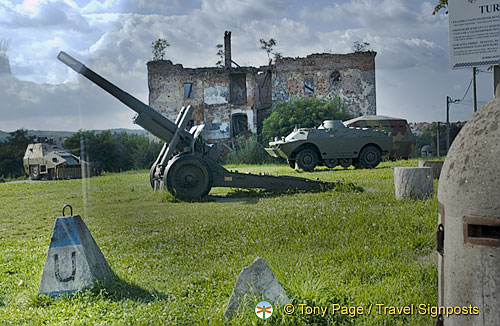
x: 345, y: 162
x: 188, y: 166
x: 310, y: 157
x: 331, y: 163
x: 370, y: 157
x: 35, y: 172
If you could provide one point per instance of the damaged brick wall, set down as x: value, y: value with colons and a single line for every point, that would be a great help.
x: 234, y: 100
x: 349, y: 77
x: 220, y: 97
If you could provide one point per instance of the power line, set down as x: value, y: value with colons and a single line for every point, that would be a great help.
x: 467, y: 91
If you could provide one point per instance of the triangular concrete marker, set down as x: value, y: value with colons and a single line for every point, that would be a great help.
x: 256, y: 280
x: 74, y: 261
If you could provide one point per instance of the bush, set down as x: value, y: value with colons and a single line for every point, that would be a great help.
x: 248, y: 150
x: 304, y: 112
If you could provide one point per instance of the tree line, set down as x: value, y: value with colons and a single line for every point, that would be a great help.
x: 115, y: 152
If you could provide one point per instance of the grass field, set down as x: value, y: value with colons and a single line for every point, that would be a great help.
x: 177, y: 262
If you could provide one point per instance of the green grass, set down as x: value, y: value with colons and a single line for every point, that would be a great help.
x: 177, y: 262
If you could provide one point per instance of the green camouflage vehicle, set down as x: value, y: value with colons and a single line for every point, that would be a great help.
x: 332, y: 144
x: 402, y: 137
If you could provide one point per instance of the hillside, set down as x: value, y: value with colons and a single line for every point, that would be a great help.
x: 59, y: 136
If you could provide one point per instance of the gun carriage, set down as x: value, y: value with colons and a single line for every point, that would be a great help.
x: 186, y: 165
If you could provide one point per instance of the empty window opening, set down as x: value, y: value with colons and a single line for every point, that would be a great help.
x: 482, y: 231
x: 238, y: 88
x: 334, y: 77
x: 239, y: 123
x: 188, y: 90
x: 308, y: 86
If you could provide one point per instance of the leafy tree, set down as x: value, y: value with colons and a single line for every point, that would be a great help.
x: 159, y: 46
x: 12, y: 153
x: 443, y: 4
x: 220, y: 55
x: 248, y: 150
x: 360, y: 47
x: 115, y: 152
x: 304, y: 112
x: 428, y: 136
x: 268, y: 46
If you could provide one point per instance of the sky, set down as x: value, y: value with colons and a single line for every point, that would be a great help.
x: 114, y: 37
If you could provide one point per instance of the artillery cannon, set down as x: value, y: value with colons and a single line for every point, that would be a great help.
x: 186, y: 165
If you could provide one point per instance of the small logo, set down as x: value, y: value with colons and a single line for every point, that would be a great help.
x: 264, y: 310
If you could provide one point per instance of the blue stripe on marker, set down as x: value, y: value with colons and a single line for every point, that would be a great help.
x: 60, y: 293
x: 65, y: 233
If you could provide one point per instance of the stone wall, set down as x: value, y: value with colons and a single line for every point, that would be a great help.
x: 232, y: 100
x: 218, y: 96
x: 349, y: 77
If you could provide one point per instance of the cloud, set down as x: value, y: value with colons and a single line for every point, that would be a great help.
x: 69, y: 106
x: 113, y: 37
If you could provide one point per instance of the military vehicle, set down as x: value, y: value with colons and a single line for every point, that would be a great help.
x: 52, y: 161
x: 403, y: 141
x: 332, y: 144
x: 186, y: 165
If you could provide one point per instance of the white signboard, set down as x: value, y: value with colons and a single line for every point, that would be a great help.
x: 474, y: 33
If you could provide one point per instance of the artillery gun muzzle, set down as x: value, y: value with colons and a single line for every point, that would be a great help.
x: 71, y: 62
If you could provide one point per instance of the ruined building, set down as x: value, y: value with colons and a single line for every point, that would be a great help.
x: 233, y: 99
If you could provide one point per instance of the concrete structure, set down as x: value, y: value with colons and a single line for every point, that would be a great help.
x: 74, y: 260
x: 469, y: 222
x: 436, y: 167
x: 233, y: 99
x: 411, y: 182
x: 256, y: 280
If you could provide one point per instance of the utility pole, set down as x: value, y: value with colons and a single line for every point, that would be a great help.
x: 437, y: 139
x: 496, y: 81
x: 474, y: 94
x: 448, y: 101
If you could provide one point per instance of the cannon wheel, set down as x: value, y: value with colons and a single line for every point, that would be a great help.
x: 151, y: 176
x: 35, y: 172
x: 188, y: 177
x: 370, y: 157
x: 331, y: 163
x: 307, y: 159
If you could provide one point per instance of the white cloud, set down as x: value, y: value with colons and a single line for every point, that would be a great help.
x: 113, y: 37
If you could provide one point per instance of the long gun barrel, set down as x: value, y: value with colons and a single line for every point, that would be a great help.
x: 148, y: 118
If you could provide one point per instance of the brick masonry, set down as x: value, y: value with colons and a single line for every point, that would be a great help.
x: 227, y: 99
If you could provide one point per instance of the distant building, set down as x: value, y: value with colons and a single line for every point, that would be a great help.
x: 232, y: 100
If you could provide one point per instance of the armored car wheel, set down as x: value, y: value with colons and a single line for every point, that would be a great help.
x: 331, y: 163
x: 188, y: 177
x: 345, y: 162
x: 35, y: 172
x: 370, y: 157
x: 307, y: 159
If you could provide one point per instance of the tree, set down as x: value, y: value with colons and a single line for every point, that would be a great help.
x: 159, y: 46
x: 443, y: 4
x: 220, y: 54
x: 304, y: 112
x: 268, y: 46
x: 360, y: 47
x: 12, y: 153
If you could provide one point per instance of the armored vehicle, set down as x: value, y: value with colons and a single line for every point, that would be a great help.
x: 51, y: 161
x: 332, y: 144
x: 403, y: 141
